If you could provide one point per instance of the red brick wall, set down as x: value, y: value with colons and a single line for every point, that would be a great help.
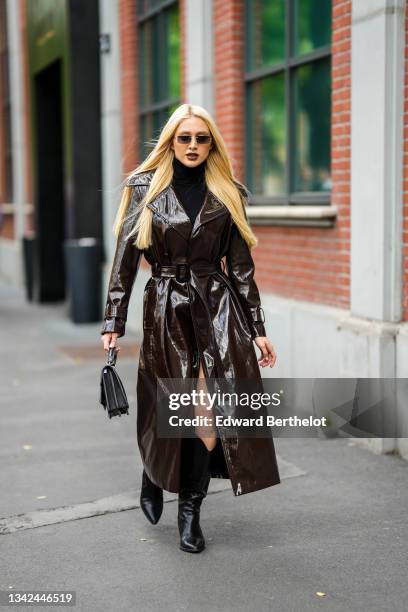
x: 129, y: 84
x: 3, y: 124
x: 228, y: 18
x: 7, y: 219
x: 405, y: 183
x: 311, y: 264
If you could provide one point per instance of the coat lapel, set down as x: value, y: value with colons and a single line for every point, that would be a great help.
x: 168, y: 207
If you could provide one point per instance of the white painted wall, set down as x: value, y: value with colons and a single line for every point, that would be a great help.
x: 377, y: 60
x: 112, y: 146
x: 199, y: 53
x: 11, y: 257
x: 376, y: 158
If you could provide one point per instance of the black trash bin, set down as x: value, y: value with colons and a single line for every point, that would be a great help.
x: 83, y: 273
x: 28, y: 265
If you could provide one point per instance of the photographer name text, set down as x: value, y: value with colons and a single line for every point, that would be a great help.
x: 260, y: 421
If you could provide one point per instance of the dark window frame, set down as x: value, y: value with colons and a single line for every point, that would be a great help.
x: 287, y: 66
x: 142, y: 16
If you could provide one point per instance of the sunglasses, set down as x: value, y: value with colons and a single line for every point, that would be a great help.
x: 200, y: 139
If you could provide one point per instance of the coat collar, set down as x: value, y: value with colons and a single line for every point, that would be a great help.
x: 169, y: 208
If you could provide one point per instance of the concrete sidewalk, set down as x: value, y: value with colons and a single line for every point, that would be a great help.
x: 332, y: 534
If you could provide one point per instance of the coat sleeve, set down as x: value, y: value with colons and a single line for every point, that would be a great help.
x: 241, y: 270
x: 125, y: 266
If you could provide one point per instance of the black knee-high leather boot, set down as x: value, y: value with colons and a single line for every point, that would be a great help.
x: 194, y: 480
x: 151, y: 499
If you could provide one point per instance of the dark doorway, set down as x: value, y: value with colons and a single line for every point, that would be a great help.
x: 49, y: 273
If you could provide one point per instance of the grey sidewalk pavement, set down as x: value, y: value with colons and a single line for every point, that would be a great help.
x: 332, y: 535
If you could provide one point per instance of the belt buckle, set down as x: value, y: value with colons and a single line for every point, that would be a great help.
x: 182, y: 272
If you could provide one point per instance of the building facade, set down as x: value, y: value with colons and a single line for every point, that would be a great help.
x: 312, y: 101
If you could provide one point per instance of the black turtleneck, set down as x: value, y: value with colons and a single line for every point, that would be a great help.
x: 190, y: 186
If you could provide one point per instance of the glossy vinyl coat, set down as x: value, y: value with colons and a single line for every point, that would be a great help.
x: 214, y: 315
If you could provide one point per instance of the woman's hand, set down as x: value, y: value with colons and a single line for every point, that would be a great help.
x: 110, y: 339
x: 268, y: 356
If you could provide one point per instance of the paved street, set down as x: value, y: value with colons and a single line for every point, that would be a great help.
x: 331, y: 536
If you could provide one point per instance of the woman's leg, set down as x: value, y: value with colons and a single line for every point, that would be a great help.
x: 208, y: 434
x: 195, y: 476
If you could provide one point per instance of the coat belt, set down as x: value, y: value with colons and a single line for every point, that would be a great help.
x: 182, y: 271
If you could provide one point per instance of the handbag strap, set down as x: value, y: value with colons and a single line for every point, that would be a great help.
x: 112, y: 355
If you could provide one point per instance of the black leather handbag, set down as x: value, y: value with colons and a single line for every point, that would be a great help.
x: 113, y: 395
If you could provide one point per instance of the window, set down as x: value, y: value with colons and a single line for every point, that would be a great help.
x: 159, y: 66
x: 287, y: 81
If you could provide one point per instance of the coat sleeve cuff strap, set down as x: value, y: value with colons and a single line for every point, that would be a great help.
x: 258, y: 315
x: 258, y: 329
x: 116, y: 311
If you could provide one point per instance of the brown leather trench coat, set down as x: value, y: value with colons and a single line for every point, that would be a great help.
x: 198, y: 310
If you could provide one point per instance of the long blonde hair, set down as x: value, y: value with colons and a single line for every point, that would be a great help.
x: 219, y: 177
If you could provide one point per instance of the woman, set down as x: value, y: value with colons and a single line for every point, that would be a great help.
x: 184, y: 210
